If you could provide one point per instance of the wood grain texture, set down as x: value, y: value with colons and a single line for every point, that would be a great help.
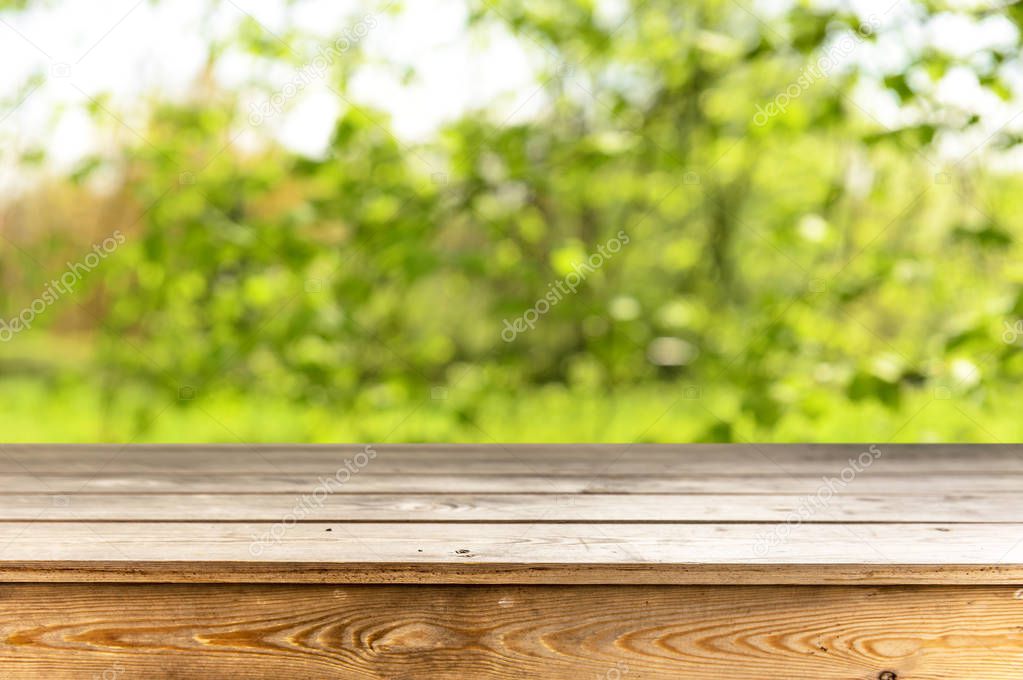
x: 662, y: 553
x: 923, y: 484
x: 570, y: 543
x: 527, y: 513
x: 521, y: 508
x: 531, y: 459
x: 898, y: 471
x: 504, y: 632
x: 614, y: 562
x: 558, y: 573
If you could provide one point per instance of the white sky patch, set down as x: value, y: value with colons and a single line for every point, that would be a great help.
x: 611, y: 13
x: 455, y: 72
x: 132, y: 49
x: 960, y: 36
x: 306, y: 128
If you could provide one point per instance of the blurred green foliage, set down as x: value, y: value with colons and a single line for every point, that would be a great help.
x: 813, y: 275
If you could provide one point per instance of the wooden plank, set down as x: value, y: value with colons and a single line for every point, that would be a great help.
x: 514, y: 553
x: 127, y: 632
x: 615, y: 562
x: 339, y: 573
x: 469, y: 482
x: 513, y: 459
x: 525, y: 508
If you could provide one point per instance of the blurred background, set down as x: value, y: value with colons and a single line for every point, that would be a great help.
x: 510, y: 220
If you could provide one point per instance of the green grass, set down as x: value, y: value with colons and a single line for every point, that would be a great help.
x: 72, y: 410
x: 52, y: 395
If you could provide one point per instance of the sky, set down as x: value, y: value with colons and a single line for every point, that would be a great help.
x: 134, y: 47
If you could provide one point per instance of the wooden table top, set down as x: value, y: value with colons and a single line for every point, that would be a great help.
x: 556, y: 514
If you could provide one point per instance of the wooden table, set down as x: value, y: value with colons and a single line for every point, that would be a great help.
x: 852, y: 562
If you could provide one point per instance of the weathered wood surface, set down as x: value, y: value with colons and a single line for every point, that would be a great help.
x: 566, y: 552
x: 952, y: 484
x: 630, y: 459
x: 849, y: 562
x: 521, y: 508
x: 772, y: 514
x: 506, y: 632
